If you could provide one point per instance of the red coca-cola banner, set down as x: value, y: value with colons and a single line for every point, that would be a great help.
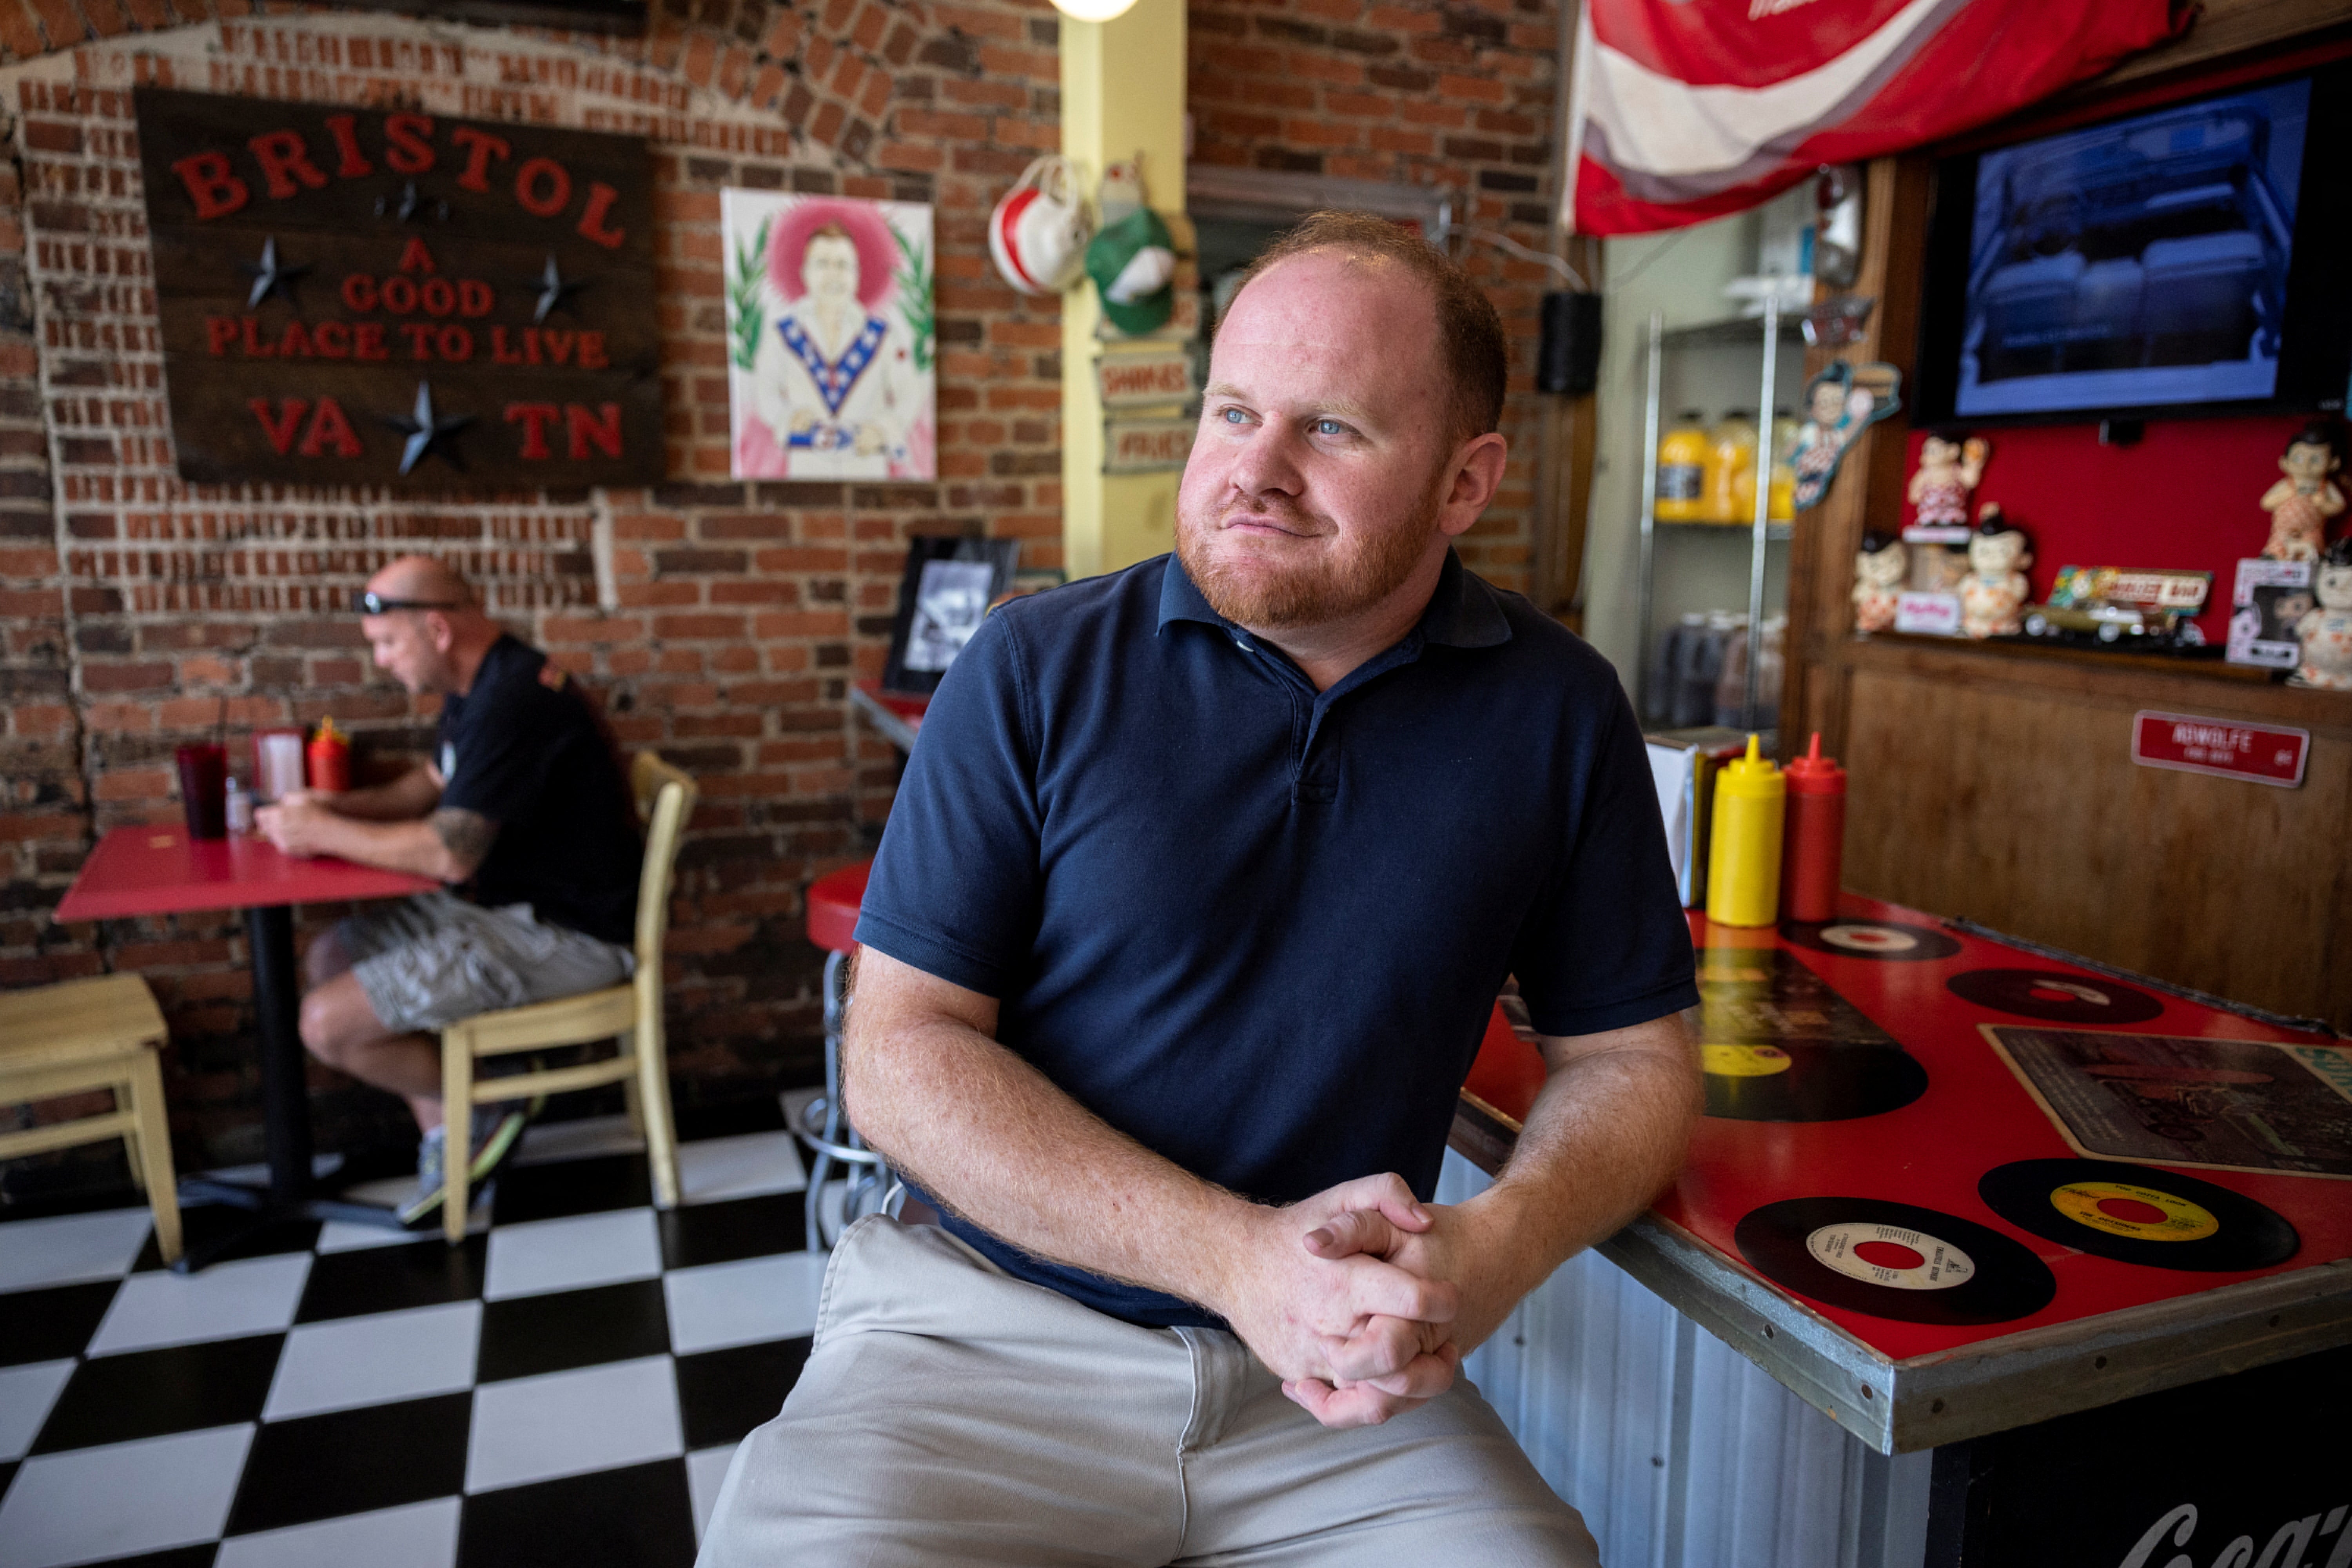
x: 1685, y: 109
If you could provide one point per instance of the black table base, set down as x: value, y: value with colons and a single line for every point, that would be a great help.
x: 292, y: 1193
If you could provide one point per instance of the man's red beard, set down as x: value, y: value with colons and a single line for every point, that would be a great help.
x: 1273, y: 592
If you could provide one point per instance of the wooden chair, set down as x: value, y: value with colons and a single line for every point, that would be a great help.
x: 631, y: 1012
x: 104, y: 1032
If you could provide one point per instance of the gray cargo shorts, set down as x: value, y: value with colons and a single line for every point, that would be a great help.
x: 431, y: 959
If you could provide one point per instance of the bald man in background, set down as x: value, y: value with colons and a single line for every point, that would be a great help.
x: 524, y: 816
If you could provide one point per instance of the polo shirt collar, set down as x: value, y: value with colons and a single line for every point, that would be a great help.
x: 1462, y: 611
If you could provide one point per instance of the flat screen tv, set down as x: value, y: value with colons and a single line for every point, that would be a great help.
x: 2190, y: 259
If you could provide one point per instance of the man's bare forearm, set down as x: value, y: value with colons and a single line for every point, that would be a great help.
x: 405, y: 799
x: 422, y: 849
x: 984, y: 1132
x: 1607, y: 1132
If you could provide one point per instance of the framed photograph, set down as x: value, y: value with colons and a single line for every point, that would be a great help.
x: 2269, y: 598
x: 949, y: 584
x: 830, y: 345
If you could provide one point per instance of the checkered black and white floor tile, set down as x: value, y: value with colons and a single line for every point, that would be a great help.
x: 564, y: 1388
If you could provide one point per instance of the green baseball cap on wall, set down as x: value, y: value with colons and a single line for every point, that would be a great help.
x: 1133, y: 264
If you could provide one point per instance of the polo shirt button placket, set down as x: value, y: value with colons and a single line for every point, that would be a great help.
x: 1317, y: 779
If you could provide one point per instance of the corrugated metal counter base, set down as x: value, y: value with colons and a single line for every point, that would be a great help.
x: 1924, y: 1402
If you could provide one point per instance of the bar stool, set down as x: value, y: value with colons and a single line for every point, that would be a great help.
x: 832, y: 902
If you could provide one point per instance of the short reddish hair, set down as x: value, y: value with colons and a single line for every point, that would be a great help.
x: 1469, y: 333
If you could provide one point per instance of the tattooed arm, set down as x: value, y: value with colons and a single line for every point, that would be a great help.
x: 407, y: 798
x: 448, y: 845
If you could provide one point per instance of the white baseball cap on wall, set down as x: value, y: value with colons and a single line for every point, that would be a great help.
x: 1038, y: 233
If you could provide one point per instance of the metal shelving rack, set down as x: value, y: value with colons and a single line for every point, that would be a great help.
x: 1763, y: 531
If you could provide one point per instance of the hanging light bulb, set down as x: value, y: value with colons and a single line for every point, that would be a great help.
x: 1093, y: 10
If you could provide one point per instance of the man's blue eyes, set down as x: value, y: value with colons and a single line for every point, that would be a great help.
x: 1320, y: 426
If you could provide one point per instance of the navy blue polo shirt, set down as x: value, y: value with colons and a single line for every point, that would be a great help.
x: 1258, y: 928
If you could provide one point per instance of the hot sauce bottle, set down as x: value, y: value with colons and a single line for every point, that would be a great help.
x: 1743, y: 862
x: 331, y: 758
x: 1814, y: 850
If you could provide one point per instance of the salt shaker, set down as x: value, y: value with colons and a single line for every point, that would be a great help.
x: 240, y: 808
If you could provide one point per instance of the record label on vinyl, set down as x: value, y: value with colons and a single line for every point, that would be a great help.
x: 1890, y: 1255
x: 1886, y: 940
x: 1743, y: 1061
x: 1894, y: 1260
x: 2121, y: 1209
x: 2056, y: 997
x: 2138, y: 1214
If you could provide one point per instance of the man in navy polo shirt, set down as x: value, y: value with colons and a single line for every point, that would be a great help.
x: 1184, y: 932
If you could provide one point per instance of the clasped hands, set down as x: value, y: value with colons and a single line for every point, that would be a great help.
x: 1361, y: 1297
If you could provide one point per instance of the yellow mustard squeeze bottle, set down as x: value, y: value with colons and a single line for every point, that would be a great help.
x: 1730, y: 479
x: 1743, y: 860
x: 1682, y: 469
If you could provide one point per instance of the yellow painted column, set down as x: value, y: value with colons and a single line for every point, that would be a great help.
x: 1122, y: 93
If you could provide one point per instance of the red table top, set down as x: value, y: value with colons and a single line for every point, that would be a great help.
x: 1977, y: 1112
x: 160, y: 871
x: 906, y: 705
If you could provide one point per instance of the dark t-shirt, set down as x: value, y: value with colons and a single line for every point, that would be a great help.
x: 1259, y: 929
x: 523, y: 749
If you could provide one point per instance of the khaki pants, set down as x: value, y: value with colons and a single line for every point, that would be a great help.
x: 953, y: 1415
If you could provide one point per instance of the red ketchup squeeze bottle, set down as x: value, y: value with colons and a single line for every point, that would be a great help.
x: 331, y: 758
x: 1815, y: 836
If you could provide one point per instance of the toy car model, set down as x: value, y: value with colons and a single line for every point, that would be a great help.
x: 2106, y: 606
x: 2104, y: 622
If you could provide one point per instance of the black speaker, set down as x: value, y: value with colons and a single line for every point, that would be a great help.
x: 1568, y: 359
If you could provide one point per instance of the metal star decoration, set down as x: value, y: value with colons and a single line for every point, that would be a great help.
x: 272, y: 276
x: 552, y: 290
x: 411, y: 205
x: 427, y: 432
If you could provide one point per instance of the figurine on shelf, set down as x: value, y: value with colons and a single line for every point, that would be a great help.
x: 2302, y: 503
x: 1993, y: 594
x: 1840, y: 404
x: 2326, y: 633
x: 1948, y: 470
x: 1878, y: 569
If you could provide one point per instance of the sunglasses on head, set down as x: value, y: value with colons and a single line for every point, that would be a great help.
x: 375, y: 604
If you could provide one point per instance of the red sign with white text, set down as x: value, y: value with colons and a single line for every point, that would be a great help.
x: 2197, y: 744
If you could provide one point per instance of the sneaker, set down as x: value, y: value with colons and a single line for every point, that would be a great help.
x: 495, y: 1134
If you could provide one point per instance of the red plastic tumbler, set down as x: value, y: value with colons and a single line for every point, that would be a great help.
x: 1813, y: 842
x: 203, y: 789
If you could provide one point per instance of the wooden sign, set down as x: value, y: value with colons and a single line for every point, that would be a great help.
x: 2196, y: 744
x: 1145, y: 446
x: 1154, y: 375
x: 400, y: 300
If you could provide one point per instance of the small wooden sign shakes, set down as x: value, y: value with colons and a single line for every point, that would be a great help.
x: 399, y: 299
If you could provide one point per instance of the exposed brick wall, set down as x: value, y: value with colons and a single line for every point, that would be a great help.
x: 139, y: 610
x: 1458, y: 96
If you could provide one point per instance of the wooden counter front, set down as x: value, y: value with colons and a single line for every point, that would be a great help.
x: 1996, y: 783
